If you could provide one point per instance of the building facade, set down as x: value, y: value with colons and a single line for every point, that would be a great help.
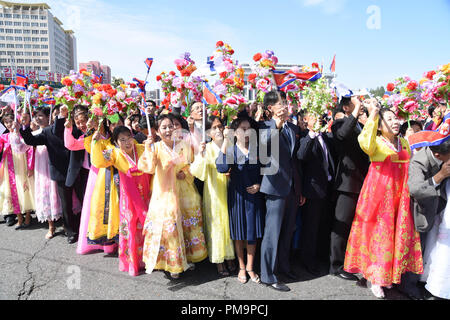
x: 34, y: 42
x: 97, y: 68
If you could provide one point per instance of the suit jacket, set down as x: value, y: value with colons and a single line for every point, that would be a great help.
x: 427, y: 201
x: 53, y: 138
x: 316, y: 168
x: 287, y: 171
x: 76, y: 159
x: 352, y: 163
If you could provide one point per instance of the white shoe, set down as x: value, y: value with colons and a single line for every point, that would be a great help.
x: 376, y: 290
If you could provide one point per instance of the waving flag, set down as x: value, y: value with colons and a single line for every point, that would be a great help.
x: 21, y: 81
x: 141, y: 84
x: 333, y: 64
x: 209, y: 96
x: 98, y: 78
x: 427, y: 138
x: 148, y: 63
x: 283, y: 78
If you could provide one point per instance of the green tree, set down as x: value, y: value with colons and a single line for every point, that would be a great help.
x: 378, y: 92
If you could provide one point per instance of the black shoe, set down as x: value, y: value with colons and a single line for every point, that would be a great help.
x: 10, y: 221
x: 72, y: 239
x: 279, y: 286
x: 413, y: 294
x: 22, y: 226
x: 346, y: 275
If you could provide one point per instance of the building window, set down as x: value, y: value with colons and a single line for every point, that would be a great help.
x: 36, y: 46
x: 19, y: 46
x: 44, y: 46
x: 2, y: 53
x: 43, y: 25
x: 27, y: 46
x: 19, y: 60
x: 43, y: 39
x: 9, y: 38
x: 27, y: 39
x: 26, y: 31
x: 9, y: 45
x: 28, y: 54
x: 2, y: 45
x: 17, y: 30
x: 28, y: 60
x: 8, y: 23
x: 8, y: 15
x: 37, y: 61
x: 25, y: 16
x: 17, y: 16
x: 1, y: 23
x: 19, y: 53
x: 44, y: 54
x: 9, y: 30
x: 35, y: 31
x: 35, y: 24
x: 26, y: 24
x: 18, y: 38
x: 34, y: 17
x: 36, y: 54
x: 43, y: 31
x: 35, y: 39
x: 17, y: 24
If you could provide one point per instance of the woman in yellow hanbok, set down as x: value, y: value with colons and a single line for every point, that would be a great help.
x: 103, y: 226
x: 164, y: 244
x: 215, y: 207
x: 189, y: 199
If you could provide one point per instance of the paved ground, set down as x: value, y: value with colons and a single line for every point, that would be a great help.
x: 34, y: 268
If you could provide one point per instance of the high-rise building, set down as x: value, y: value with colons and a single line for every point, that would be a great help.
x: 98, y: 69
x: 33, y: 40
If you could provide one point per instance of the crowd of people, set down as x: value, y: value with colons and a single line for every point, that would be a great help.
x: 255, y: 194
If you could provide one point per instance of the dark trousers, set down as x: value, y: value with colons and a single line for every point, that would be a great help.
x: 343, y: 218
x: 278, y: 231
x: 315, y: 233
x: 71, y: 221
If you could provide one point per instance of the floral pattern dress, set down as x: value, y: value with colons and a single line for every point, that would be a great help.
x: 383, y: 243
x: 135, y: 194
x: 164, y: 243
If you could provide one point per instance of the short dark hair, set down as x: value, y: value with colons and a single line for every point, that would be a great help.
x: 118, y: 130
x: 143, y: 122
x: 210, y: 120
x: 431, y: 110
x: 180, y: 119
x: 44, y: 110
x: 162, y: 117
x: 345, y: 101
x: 151, y: 102
x: 443, y: 148
x: 405, y: 126
x: 134, y: 117
x: 272, y: 97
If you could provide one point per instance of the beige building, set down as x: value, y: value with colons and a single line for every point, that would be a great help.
x: 33, y: 40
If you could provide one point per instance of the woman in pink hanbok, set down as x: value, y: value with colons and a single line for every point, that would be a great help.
x: 135, y: 192
x: 16, y: 174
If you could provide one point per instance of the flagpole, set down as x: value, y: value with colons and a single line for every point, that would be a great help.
x: 15, y: 105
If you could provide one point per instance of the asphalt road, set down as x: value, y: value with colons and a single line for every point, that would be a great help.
x: 33, y: 268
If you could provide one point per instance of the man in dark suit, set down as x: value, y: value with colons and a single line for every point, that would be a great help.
x: 428, y: 169
x: 53, y: 138
x: 352, y: 167
x: 79, y: 164
x: 281, y: 185
x: 316, y: 153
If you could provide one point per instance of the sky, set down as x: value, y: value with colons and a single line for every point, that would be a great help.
x: 374, y: 41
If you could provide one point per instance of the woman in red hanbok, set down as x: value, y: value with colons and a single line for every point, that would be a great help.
x: 383, y: 243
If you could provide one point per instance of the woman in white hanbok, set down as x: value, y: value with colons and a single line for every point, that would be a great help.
x: 437, y: 254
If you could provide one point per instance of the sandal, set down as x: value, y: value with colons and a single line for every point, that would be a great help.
x: 50, y: 234
x: 243, y: 279
x: 222, y: 271
x: 255, y: 279
x: 377, y: 291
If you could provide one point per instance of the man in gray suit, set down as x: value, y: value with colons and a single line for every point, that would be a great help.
x: 428, y: 168
x: 281, y: 184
